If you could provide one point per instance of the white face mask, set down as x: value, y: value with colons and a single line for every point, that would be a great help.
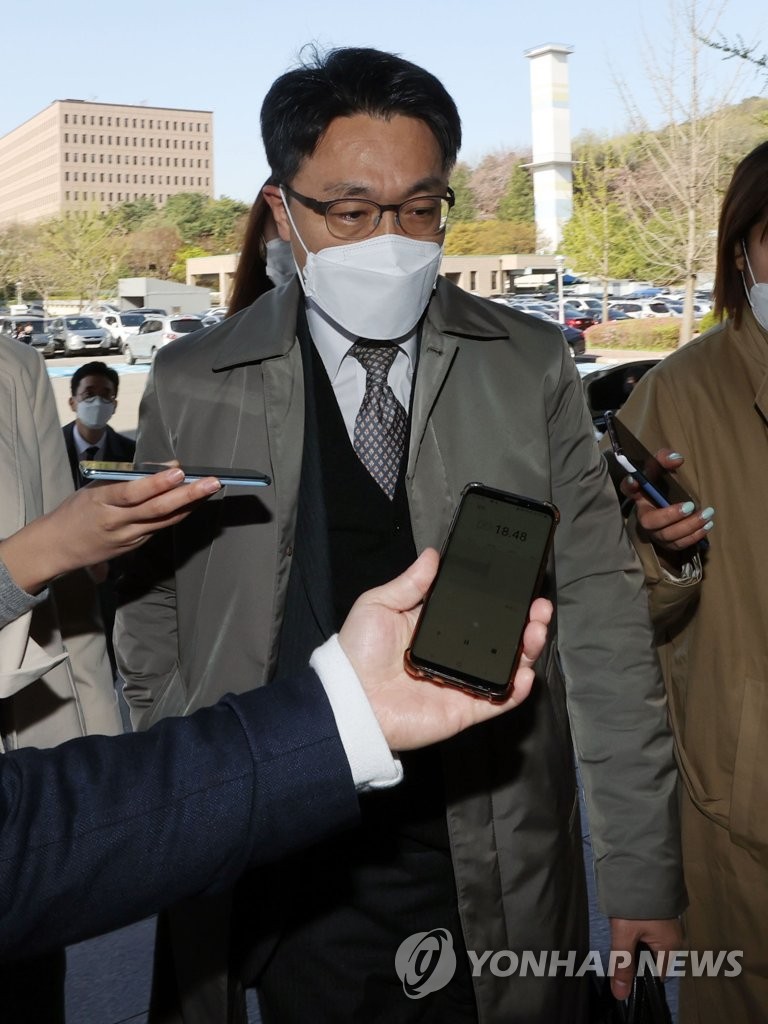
x: 757, y: 295
x: 280, y: 263
x: 377, y: 288
x: 95, y: 412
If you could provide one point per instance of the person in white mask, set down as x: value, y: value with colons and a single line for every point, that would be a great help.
x: 93, y: 400
x: 372, y: 390
x: 709, y: 402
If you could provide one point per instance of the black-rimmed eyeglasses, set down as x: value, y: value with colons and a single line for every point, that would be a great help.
x: 349, y: 219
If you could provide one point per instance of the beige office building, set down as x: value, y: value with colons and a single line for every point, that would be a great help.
x: 75, y: 155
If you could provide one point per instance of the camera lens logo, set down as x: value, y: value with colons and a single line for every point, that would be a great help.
x: 425, y: 962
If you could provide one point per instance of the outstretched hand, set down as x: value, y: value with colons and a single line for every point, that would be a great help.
x: 99, y: 522
x: 412, y: 712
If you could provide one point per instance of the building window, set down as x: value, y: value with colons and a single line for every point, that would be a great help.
x: 67, y: 194
x: 66, y: 121
x: 66, y: 175
x: 66, y: 136
x: 473, y: 280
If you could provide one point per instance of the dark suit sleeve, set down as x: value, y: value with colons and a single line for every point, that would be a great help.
x: 102, y: 831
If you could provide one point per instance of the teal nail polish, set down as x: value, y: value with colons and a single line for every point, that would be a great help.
x: 708, y: 512
x: 687, y: 507
x: 674, y: 455
x: 708, y: 526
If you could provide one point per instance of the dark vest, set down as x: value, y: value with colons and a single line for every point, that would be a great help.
x: 369, y: 537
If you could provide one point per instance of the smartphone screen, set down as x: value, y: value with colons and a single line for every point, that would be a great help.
x: 471, y: 626
x: 94, y: 470
x: 659, y: 485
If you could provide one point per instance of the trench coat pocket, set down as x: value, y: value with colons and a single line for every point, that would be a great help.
x: 748, y: 823
x: 22, y: 660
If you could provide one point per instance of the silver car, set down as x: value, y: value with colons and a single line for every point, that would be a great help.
x: 155, y: 332
x: 77, y: 334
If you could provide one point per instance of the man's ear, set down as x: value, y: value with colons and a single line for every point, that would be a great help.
x: 73, y: 404
x: 276, y: 205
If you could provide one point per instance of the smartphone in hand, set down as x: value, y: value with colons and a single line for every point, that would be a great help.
x: 658, y: 484
x: 470, y: 630
x: 129, y: 471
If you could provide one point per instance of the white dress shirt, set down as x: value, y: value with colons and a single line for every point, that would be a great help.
x: 347, y: 375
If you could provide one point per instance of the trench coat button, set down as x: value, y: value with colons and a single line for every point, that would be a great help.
x: 289, y: 550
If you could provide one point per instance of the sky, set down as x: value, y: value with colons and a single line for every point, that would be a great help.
x: 223, y: 57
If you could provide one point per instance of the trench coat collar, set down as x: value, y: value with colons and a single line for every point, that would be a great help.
x: 264, y: 330
x: 267, y: 328
x: 753, y: 343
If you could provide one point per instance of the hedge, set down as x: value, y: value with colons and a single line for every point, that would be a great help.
x: 660, y: 333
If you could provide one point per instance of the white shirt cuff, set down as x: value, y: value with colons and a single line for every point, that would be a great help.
x: 371, y: 761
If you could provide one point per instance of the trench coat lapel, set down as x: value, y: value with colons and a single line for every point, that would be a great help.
x: 449, y: 320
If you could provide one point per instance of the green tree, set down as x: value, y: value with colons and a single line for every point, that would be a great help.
x: 465, y: 208
x: 178, y: 270
x: 188, y: 213
x: 673, y: 177
x: 517, y: 201
x: 151, y: 251
x: 223, y: 217
x: 132, y: 214
x: 490, y: 237
x: 78, y: 254
x: 599, y: 239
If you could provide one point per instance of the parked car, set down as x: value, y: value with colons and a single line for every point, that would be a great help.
x: 155, y: 332
x: 75, y: 334
x: 576, y: 341
x: 14, y: 327
x: 613, y: 314
x: 121, y: 326
x: 578, y: 318
x: 149, y: 310
x: 640, y: 308
x: 587, y: 303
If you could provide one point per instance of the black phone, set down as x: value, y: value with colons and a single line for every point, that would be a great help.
x: 93, y: 470
x: 470, y: 630
x: 656, y: 482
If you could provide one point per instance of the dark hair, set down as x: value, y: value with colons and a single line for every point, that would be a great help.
x: 94, y: 369
x: 745, y: 204
x: 301, y: 104
x: 251, y: 279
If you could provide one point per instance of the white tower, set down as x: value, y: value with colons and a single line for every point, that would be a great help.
x: 551, y: 136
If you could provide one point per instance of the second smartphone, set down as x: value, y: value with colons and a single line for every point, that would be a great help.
x: 130, y: 471
x: 470, y: 631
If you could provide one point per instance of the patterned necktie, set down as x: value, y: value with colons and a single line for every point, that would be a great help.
x: 379, y: 437
x: 88, y: 455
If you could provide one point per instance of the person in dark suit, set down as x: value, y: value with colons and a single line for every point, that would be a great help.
x: 93, y: 400
x: 101, y: 831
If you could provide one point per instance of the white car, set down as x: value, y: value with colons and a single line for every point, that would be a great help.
x: 121, y: 326
x: 640, y: 308
x: 155, y: 332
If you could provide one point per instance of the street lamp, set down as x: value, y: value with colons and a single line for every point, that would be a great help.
x: 19, y: 290
x: 559, y: 264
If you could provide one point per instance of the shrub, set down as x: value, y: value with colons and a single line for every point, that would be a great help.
x: 708, y: 320
x: 660, y: 333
